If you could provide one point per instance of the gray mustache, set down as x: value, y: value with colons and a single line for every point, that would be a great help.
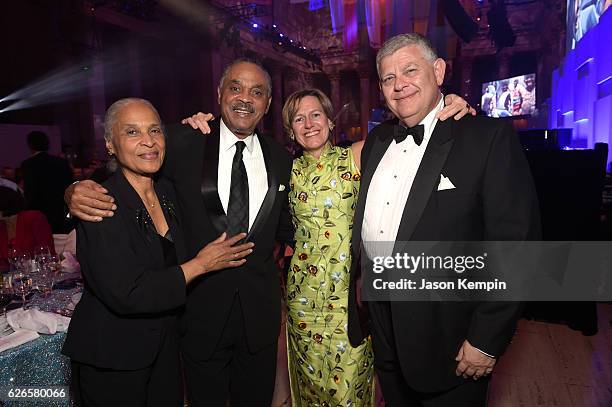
x: 243, y: 106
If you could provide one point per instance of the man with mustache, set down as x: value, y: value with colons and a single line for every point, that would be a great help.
x: 232, y: 318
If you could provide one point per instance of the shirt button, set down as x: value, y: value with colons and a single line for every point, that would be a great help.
x: 395, y: 176
x: 381, y: 232
x: 387, y: 203
x: 404, y: 151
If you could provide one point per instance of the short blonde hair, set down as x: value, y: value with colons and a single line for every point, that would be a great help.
x: 291, y: 105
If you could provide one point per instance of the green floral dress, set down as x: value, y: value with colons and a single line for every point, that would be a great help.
x: 324, y: 369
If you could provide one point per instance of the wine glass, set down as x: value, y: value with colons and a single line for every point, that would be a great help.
x: 54, y: 266
x: 22, y: 284
x: 13, y: 259
x: 41, y: 255
x: 6, y: 296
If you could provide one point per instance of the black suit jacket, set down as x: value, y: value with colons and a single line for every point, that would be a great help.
x: 130, y: 298
x: 45, y: 178
x: 494, y: 199
x: 192, y: 164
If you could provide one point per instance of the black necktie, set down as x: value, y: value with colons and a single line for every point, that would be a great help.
x: 238, y: 205
x: 417, y: 133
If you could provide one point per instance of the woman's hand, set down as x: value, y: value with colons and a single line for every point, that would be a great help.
x: 455, y: 106
x: 217, y: 255
x: 199, y: 121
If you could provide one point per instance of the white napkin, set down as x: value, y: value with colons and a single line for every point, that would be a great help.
x: 36, y: 320
x: 74, y: 300
x: 70, y: 263
x: 17, y: 338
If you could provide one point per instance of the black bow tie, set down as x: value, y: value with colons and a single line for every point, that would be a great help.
x: 417, y: 133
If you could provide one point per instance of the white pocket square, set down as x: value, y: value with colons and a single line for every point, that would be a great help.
x: 281, y: 188
x: 445, y: 183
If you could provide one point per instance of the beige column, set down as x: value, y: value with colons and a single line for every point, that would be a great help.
x: 364, y: 103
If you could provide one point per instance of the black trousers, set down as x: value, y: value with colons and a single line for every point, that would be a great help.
x: 396, y: 391
x: 159, y: 385
x: 233, y: 372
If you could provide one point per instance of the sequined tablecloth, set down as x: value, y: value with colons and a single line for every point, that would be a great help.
x: 36, y: 363
x: 39, y: 363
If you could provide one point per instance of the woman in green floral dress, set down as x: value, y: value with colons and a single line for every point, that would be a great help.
x: 324, y: 369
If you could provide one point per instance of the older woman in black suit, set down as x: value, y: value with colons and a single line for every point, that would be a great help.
x: 123, y: 338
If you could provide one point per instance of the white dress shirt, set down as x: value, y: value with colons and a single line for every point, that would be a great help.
x: 390, y: 187
x: 253, y: 159
x: 391, y: 184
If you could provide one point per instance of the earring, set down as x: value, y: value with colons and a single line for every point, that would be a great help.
x: 291, y: 136
x: 331, y: 126
x: 110, y: 153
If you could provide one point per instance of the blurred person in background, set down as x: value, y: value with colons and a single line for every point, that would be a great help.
x: 45, y: 177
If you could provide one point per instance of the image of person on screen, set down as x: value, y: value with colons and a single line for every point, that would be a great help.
x: 529, y: 95
x: 488, y: 105
x: 503, y: 102
x: 516, y: 98
x: 490, y: 96
x: 588, y: 15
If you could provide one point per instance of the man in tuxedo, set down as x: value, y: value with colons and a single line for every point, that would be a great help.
x: 233, y: 180
x: 427, y: 180
x: 45, y: 177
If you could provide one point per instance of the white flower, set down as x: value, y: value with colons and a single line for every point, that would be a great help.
x: 328, y: 202
x: 303, y: 300
x: 310, y: 368
x: 335, y: 276
x: 342, y: 256
x: 301, y: 314
x: 341, y: 347
x: 305, y: 245
x: 333, y: 183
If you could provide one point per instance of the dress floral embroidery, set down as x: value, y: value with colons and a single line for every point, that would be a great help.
x: 324, y: 369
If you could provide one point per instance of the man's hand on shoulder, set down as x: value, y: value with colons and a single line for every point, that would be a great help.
x: 88, y: 200
x: 455, y: 106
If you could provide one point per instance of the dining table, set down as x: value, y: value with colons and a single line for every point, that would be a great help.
x: 35, y: 373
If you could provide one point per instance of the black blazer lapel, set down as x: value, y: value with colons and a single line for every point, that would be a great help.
x: 378, y: 150
x: 210, y: 172
x: 426, y: 179
x: 173, y: 220
x: 127, y: 197
x: 268, y: 202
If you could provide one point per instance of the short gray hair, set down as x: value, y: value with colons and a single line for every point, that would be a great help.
x: 393, y: 44
x: 111, y: 113
x: 248, y: 61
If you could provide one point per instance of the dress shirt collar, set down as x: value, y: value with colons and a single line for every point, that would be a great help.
x: 227, y: 139
x: 429, y: 122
